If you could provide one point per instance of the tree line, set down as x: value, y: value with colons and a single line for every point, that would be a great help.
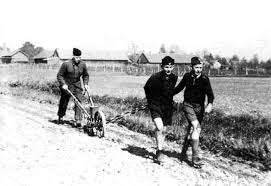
x: 236, y: 63
x: 231, y: 63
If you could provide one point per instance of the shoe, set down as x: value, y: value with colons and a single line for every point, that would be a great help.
x: 60, y: 120
x: 160, y: 157
x: 77, y: 124
x: 196, y: 162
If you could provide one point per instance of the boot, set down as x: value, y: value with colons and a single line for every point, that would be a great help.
x: 60, y: 120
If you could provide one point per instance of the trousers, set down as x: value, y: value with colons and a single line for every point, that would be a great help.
x: 64, y: 100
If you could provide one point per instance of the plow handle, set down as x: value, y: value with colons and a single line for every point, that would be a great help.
x: 89, y: 98
x: 78, y: 103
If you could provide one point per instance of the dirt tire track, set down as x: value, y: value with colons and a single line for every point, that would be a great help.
x: 34, y: 151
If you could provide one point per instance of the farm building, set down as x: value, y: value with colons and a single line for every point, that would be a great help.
x: 98, y: 57
x: 16, y: 56
x: 47, y: 56
x: 151, y: 62
x: 155, y: 59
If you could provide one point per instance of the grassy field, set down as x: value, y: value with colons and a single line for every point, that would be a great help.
x: 239, y: 125
x: 233, y: 96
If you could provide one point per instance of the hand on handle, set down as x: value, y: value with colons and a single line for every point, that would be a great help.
x: 65, y: 87
x: 87, y: 88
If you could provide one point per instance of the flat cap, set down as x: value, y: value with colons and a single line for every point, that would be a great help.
x: 195, y: 61
x: 76, y: 52
x: 167, y: 61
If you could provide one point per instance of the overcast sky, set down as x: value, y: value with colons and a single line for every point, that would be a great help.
x: 223, y: 27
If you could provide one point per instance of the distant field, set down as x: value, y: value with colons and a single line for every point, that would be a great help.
x: 232, y: 95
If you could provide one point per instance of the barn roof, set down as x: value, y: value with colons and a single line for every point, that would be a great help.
x: 178, y: 58
x: 44, y: 54
x: 94, y: 55
x: 14, y: 53
x: 108, y: 55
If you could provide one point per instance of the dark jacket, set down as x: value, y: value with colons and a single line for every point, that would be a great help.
x: 70, y: 73
x: 196, y: 89
x: 159, y: 91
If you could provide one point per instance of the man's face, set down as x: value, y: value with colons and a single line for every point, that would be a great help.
x: 168, y: 69
x: 197, y: 69
x: 77, y: 59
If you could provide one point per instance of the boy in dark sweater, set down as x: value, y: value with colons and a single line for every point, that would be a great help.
x: 159, y: 93
x: 197, y: 86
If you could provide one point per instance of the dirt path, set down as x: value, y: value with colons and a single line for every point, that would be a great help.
x: 35, y: 151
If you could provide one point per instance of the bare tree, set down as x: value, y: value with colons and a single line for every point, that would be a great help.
x: 133, y: 52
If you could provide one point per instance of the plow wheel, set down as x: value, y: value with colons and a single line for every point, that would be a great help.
x: 99, y: 124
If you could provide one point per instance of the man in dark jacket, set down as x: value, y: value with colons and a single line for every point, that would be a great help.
x: 159, y: 93
x: 197, y: 86
x: 68, y: 77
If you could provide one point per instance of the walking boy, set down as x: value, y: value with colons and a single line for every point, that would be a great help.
x: 68, y: 77
x: 197, y: 86
x: 159, y: 93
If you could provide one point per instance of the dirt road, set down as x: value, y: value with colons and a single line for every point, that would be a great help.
x: 35, y: 151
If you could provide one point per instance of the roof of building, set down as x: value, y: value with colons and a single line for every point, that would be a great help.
x: 44, y: 54
x: 13, y: 53
x: 94, y: 54
x: 178, y: 58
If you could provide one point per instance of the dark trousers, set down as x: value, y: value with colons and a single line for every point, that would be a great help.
x: 64, y: 100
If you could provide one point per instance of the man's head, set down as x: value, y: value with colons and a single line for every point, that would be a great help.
x: 167, y: 65
x: 196, y: 65
x: 76, y: 55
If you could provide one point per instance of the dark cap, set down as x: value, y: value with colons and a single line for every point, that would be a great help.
x: 167, y: 61
x: 76, y: 52
x: 195, y: 61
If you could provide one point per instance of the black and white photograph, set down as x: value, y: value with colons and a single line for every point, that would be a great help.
x: 134, y: 92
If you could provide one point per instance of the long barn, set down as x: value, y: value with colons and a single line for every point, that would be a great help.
x: 95, y: 57
x: 152, y: 62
